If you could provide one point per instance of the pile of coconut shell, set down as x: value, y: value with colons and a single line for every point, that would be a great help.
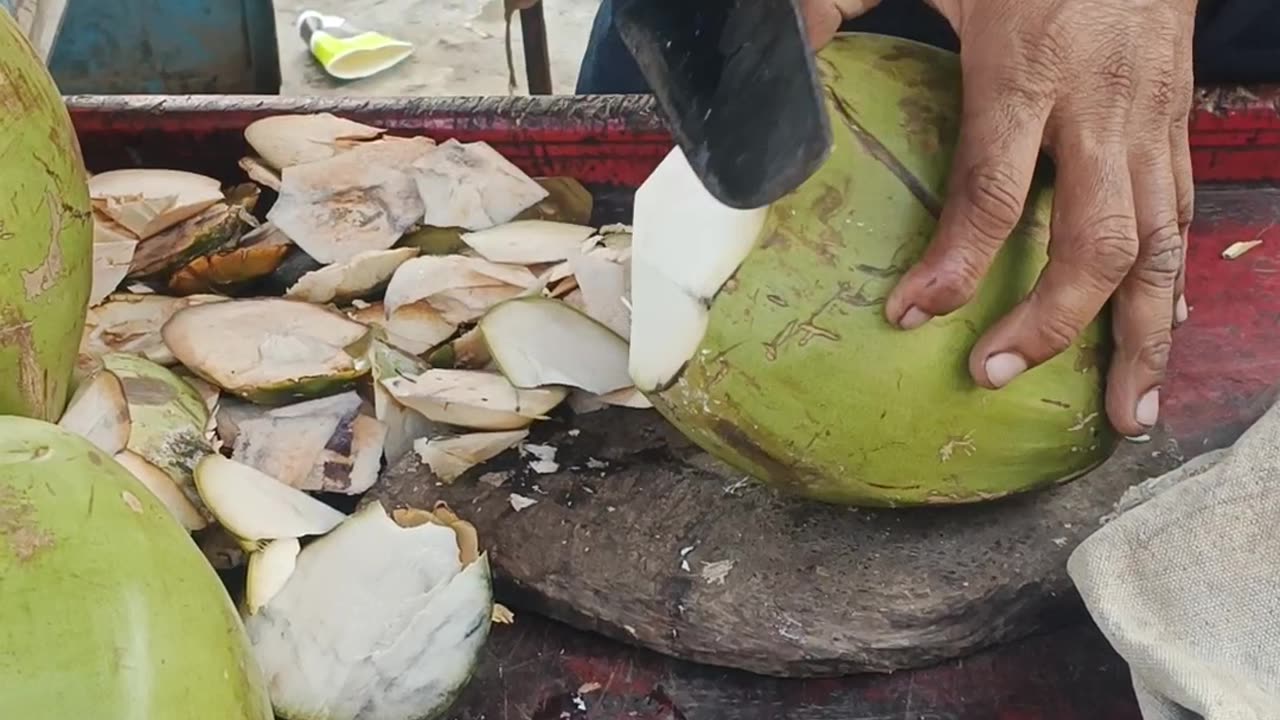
x: 399, y: 295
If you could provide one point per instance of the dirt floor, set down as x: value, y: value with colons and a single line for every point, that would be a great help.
x: 458, y: 46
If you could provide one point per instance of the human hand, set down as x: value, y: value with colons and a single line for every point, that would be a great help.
x: 1105, y: 87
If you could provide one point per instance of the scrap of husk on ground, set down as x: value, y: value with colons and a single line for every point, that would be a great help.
x: 249, y: 356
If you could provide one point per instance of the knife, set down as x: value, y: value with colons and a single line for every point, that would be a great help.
x: 736, y: 82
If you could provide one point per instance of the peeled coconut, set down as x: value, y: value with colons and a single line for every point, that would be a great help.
x: 742, y: 320
x: 381, y: 619
x: 269, y: 350
x: 47, y: 268
x: 147, y: 201
x: 110, y: 609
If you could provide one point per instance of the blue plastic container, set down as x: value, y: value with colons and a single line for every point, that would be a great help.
x: 167, y: 47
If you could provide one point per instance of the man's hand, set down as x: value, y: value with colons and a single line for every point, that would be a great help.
x: 1105, y: 87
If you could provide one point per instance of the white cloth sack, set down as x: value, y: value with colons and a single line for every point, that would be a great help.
x: 1185, y: 584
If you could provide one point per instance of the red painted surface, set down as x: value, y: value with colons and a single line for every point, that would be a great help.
x: 1226, y: 359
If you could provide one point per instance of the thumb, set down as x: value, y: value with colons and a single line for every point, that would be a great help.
x: 822, y: 18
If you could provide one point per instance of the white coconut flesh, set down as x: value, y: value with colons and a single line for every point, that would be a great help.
x: 474, y: 399
x: 131, y: 323
x: 364, y: 199
x: 246, y: 345
x: 319, y: 445
x: 541, y: 341
x: 99, y: 413
x: 147, y: 201
x: 423, y: 278
x: 527, y: 242
x: 472, y: 186
x: 355, y: 278
x: 286, y: 140
x: 450, y: 457
x: 165, y: 489
x: 254, y: 506
x: 269, y: 569
x: 376, y: 622
x: 679, y: 261
x: 605, y: 288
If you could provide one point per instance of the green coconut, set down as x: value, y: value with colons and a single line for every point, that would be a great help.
x: 761, y: 333
x: 46, y: 236
x: 110, y: 611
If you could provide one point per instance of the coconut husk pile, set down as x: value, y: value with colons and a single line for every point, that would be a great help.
x: 248, y: 363
x: 399, y: 294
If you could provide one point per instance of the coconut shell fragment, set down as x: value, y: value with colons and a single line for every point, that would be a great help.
x: 131, y: 323
x: 324, y: 445
x: 286, y: 140
x: 256, y: 507
x: 361, y: 200
x: 215, y: 228
x: 358, y: 277
x: 538, y: 342
x: 450, y: 457
x: 473, y: 399
x: 268, y: 350
x: 472, y: 186
x: 527, y: 242
x: 99, y: 412
x: 258, y: 254
x: 168, y: 418
x: 149, y: 201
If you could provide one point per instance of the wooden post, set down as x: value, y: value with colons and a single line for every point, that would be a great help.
x: 537, y: 59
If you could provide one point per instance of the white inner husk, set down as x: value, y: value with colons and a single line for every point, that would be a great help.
x: 673, y: 278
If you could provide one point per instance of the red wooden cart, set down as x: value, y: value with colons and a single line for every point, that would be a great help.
x: 1225, y: 364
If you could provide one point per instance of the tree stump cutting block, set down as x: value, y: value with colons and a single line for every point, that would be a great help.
x: 639, y: 535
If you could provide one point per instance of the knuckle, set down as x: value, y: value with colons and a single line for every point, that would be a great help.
x: 955, y: 283
x: 1162, y: 254
x: 1056, y: 333
x: 1116, y: 69
x: 1153, y: 356
x: 1105, y: 251
x: 993, y: 202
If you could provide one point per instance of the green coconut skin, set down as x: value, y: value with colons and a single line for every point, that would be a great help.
x: 802, y: 383
x: 110, y: 611
x: 46, y: 236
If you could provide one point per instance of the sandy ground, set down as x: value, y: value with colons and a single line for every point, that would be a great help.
x: 458, y: 46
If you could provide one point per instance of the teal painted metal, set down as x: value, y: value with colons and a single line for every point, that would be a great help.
x: 167, y: 47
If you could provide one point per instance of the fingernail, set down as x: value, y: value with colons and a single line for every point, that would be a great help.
x: 913, y: 318
x: 1148, y: 410
x: 1180, y: 310
x: 1002, y: 368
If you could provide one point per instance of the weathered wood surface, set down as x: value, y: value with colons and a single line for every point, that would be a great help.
x: 646, y: 539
